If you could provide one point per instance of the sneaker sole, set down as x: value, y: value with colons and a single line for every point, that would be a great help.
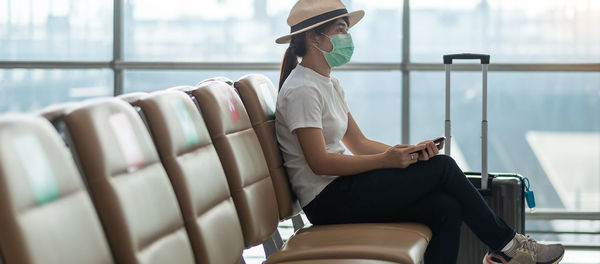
x: 488, y: 261
x: 559, y: 259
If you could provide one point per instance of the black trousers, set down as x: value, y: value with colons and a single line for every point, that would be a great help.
x: 434, y: 192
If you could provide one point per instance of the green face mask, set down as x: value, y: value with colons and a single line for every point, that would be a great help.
x: 342, y: 50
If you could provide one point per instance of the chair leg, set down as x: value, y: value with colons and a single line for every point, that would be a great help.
x: 273, y: 244
x: 277, y: 239
x: 297, y: 222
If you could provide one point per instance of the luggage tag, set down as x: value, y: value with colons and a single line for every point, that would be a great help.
x: 529, y: 194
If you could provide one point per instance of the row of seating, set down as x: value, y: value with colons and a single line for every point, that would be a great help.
x: 191, y: 174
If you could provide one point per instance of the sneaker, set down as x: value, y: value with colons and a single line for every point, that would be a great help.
x: 526, y: 251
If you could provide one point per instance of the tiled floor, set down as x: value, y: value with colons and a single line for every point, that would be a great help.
x: 256, y: 255
x: 581, y: 257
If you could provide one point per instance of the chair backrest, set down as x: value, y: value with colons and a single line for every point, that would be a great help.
x: 242, y: 158
x: 183, y: 88
x: 132, y: 98
x: 259, y: 97
x: 57, y: 111
x: 46, y: 215
x: 192, y: 163
x: 55, y: 114
x: 218, y: 78
x: 130, y: 188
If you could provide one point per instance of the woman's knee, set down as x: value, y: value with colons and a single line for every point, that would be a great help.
x: 449, y: 164
x: 443, y: 158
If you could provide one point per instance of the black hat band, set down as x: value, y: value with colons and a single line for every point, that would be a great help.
x: 317, y: 19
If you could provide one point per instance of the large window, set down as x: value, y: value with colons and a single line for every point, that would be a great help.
x: 183, y: 30
x: 28, y: 90
x: 511, y: 30
x: 243, y: 31
x: 55, y: 30
x: 541, y: 125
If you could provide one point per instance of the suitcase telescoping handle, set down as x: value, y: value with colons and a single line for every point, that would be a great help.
x: 485, y: 61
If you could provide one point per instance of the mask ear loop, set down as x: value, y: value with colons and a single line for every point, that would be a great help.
x: 330, y: 41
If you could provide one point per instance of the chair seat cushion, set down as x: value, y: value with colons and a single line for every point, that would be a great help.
x: 395, y: 242
x: 339, y: 261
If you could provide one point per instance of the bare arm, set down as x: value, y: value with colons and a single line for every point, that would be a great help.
x: 324, y: 163
x: 357, y: 143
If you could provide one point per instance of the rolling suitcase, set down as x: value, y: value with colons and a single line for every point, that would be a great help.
x: 504, y: 192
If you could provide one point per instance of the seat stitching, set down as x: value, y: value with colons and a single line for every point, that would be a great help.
x: 62, y: 196
x: 253, y: 183
x: 218, y: 203
x: 160, y: 237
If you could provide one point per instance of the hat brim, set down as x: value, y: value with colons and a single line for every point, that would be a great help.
x: 353, y: 18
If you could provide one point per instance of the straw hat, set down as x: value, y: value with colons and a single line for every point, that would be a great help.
x: 307, y: 14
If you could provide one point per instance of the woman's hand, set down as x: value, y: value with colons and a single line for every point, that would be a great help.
x: 430, y: 149
x: 402, y: 156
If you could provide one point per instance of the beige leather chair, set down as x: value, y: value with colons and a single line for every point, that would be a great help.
x: 395, y: 242
x: 132, y: 98
x: 218, y: 78
x: 183, y: 88
x: 338, y: 261
x: 57, y: 111
x: 55, y: 114
x: 46, y: 215
x: 192, y: 163
x: 259, y: 98
x: 401, y: 242
x: 129, y: 186
x: 242, y: 158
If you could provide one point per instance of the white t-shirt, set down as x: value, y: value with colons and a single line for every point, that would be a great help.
x: 309, y: 99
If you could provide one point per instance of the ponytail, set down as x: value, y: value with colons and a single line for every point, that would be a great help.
x: 290, y: 60
x: 296, y: 49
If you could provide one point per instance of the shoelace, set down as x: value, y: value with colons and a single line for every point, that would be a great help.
x: 528, y: 243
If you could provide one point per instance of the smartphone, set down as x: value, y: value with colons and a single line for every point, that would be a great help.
x: 437, y: 142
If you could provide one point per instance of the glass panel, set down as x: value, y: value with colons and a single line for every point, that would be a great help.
x: 243, y: 31
x: 544, y: 126
x: 376, y: 108
x: 589, y: 234
x: 29, y: 90
x: 378, y: 36
x: 375, y: 101
x: 55, y: 30
x: 556, y: 31
x: 148, y: 81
